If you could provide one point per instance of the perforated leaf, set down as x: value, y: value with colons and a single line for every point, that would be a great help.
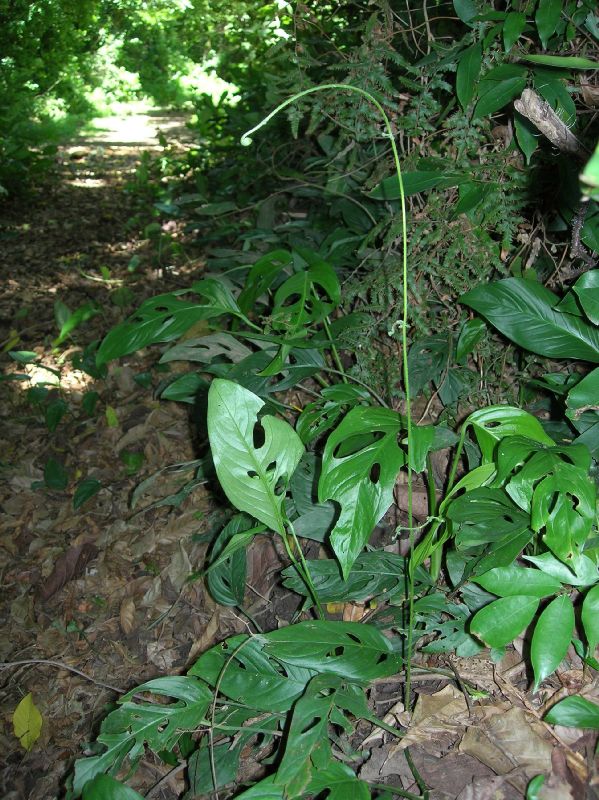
x: 253, y: 478
x: 360, y: 464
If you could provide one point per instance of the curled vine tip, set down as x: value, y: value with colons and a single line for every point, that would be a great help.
x: 246, y: 140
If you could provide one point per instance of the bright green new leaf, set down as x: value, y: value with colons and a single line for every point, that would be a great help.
x: 547, y: 17
x: 584, y: 571
x: 574, y: 712
x: 360, y: 464
x: 590, y: 176
x: 524, y: 312
x: 515, y: 580
x: 502, y: 620
x: 494, y: 423
x: 467, y: 74
x: 514, y: 24
x: 254, y: 478
x: 27, y: 722
x: 82, y: 314
x: 551, y: 638
x: 590, y: 618
x: 105, y: 787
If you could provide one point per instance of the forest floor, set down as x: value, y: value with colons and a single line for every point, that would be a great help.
x: 95, y: 600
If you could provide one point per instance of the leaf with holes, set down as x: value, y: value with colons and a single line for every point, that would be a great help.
x: 494, y: 423
x: 204, y: 348
x: 551, y: 638
x: 126, y: 731
x: 226, y: 580
x: 105, y: 787
x: 254, y: 477
x: 360, y: 464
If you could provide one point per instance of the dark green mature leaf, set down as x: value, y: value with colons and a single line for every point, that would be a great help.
x: 574, y: 712
x: 85, y: 490
x: 226, y: 581
x: 467, y: 73
x: 261, y: 277
x: 185, y: 388
x: 547, y: 17
x: 55, y: 411
x: 127, y: 730
x: 416, y: 182
x: 55, y: 475
x: 590, y: 618
x: 360, y: 464
x: 551, y: 638
x: 584, y: 396
x: 587, y: 290
x: 497, y: 87
x: 524, y: 312
x: 565, y: 62
x: 515, y: 580
x: 501, y: 621
x: 253, y: 478
x: 270, y: 671
x: 105, y: 787
x: 514, y: 24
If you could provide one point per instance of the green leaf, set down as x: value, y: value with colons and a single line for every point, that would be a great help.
x: 105, y: 787
x: 526, y: 134
x: 547, y: 17
x: 494, y: 423
x: 587, y: 291
x: 254, y: 479
x: 55, y: 475
x: 55, y: 411
x: 159, y: 319
x: 514, y: 580
x: 226, y: 580
x: 360, y: 464
x: 261, y: 277
x: 270, y: 671
x: 414, y: 183
x: 82, y: 314
x: 502, y: 620
x: 574, y: 712
x: 85, y: 490
x: 126, y: 731
x: 586, y: 573
x: 23, y: 356
x: 203, y: 349
x: 564, y: 62
x: 551, y: 638
x: 465, y: 9
x: 589, y: 180
x: 590, y: 618
x: 498, y: 87
x: 523, y: 311
x: 185, y: 389
x: 514, y: 24
x: 467, y: 74
x: 554, y: 91
x: 471, y: 333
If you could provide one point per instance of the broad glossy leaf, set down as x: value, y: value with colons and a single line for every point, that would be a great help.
x: 254, y: 479
x: 467, y: 73
x: 524, y: 312
x: 105, y: 787
x: 471, y: 333
x: 270, y: 671
x: 126, y: 731
x: 587, y: 290
x: 360, y: 464
x: 515, y: 580
x: 574, y: 712
x: 547, y: 17
x: 494, y: 423
x: 339, y: 782
x: 586, y: 572
x: 590, y: 618
x: 502, y: 620
x: 551, y: 638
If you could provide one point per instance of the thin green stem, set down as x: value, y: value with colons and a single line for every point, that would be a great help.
x: 302, y: 569
x: 376, y: 396
x: 334, y: 350
x: 246, y: 139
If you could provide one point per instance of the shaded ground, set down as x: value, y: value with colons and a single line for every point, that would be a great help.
x: 98, y: 594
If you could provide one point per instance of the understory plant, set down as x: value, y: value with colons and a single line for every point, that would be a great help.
x: 307, y: 451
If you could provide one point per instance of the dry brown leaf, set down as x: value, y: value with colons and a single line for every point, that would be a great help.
x: 127, y: 615
x: 69, y: 565
x: 436, y: 714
